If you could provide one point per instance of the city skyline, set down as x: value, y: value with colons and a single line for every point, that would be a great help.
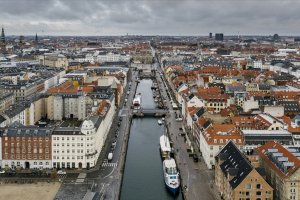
x: 140, y: 17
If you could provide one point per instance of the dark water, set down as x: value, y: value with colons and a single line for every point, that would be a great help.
x: 143, y: 176
x: 144, y: 88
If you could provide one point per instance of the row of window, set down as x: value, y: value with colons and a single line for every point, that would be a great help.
x: 28, y: 138
x: 24, y: 157
x: 73, y: 144
x: 68, y: 158
x: 34, y: 163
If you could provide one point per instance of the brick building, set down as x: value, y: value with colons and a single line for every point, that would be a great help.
x: 282, y: 169
x: 237, y: 179
x: 26, y: 147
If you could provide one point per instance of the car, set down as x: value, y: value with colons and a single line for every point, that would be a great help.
x: 2, y: 171
x: 195, y: 157
x: 110, y: 156
x: 61, y: 172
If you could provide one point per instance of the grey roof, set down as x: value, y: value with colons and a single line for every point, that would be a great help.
x: 234, y: 164
x: 2, y: 119
x: 264, y: 86
x: 16, y: 130
x: 290, y: 106
x: 67, y: 131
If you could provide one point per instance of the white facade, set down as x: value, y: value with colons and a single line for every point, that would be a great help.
x: 112, y: 57
x: 82, y: 149
x: 258, y: 64
x: 249, y: 105
x: 210, y: 151
x: 70, y: 151
x: 58, y: 108
x: 71, y: 107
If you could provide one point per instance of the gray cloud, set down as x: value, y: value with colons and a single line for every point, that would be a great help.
x: 168, y: 17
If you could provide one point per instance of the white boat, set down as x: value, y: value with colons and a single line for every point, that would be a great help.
x: 171, y: 176
x: 159, y: 122
x: 137, y: 101
x: 165, y: 147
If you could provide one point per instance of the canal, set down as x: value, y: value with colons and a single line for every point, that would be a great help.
x: 143, y: 175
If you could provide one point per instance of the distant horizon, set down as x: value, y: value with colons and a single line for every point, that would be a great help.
x: 152, y: 35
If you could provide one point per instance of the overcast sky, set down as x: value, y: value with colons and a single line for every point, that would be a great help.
x: 150, y: 17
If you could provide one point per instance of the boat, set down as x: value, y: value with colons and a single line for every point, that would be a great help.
x: 137, y: 101
x: 165, y: 147
x: 171, y: 176
x: 159, y: 122
x: 155, y: 100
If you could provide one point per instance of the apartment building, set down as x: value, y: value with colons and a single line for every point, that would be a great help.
x: 282, y: 169
x: 237, y: 179
x: 79, y: 147
x: 54, y: 60
x: 215, y: 137
x: 26, y: 147
x: 215, y: 103
x: 6, y: 99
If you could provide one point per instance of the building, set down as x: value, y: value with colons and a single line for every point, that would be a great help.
x: 26, y: 147
x: 256, y: 138
x: 215, y: 102
x: 6, y: 100
x: 237, y: 179
x: 282, y: 169
x: 21, y: 89
x: 219, y: 36
x: 2, y: 42
x: 54, y: 60
x: 79, y: 147
x: 215, y: 137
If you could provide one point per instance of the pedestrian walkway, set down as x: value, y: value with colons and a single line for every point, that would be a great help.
x: 81, y: 177
x: 62, y: 176
x: 106, y: 164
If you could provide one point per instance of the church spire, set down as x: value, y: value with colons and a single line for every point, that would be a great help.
x: 36, y: 38
x: 2, y: 39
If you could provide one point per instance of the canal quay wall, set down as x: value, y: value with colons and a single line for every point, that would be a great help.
x: 124, y: 154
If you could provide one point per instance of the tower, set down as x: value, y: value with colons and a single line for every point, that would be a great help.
x: 36, y: 38
x: 2, y: 42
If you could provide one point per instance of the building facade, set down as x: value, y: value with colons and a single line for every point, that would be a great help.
x: 26, y: 147
x: 237, y: 179
x: 282, y: 169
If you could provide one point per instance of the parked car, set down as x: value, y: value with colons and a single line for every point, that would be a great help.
x: 195, y: 157
x: 61, y: 172
x: 110, y: 156
x: 2, y: 171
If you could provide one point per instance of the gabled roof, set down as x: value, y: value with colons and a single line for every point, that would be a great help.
x: 283, y: 167
x: 235, y: 164
x: 200, y: 112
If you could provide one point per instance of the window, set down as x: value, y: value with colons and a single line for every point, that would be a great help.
x: 247, y: 193
x: 258, y: 193
x: 258, y: 186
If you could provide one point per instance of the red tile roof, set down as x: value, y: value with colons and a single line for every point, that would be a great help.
x: 262, y: 150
